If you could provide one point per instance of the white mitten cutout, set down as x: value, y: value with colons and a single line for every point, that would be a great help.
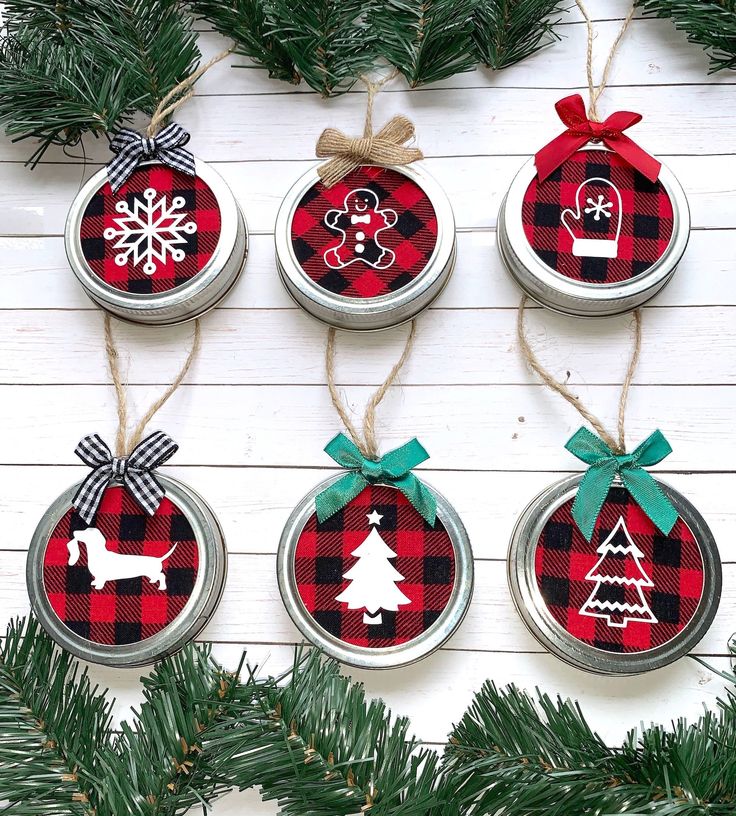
x: 600, y: 207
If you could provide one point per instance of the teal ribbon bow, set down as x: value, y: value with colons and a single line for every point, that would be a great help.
x: 393, y: 469
x: 605, y: 465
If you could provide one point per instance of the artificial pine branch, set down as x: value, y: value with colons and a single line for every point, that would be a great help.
x: 86, y: 66
x: 508, y: 31
x: 156, y: 767
x: 247, y: 24
x: 426, y: 40
x: 56, y: 93
x: 512, y: 755
x: 52, y: 723
x: 331, y: 43
x: 160, y: 46
x: 710, y: 23
x: 311, y: 741
x: 327, y: 40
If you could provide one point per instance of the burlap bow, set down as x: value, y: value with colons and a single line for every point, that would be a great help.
x: 385, y: 147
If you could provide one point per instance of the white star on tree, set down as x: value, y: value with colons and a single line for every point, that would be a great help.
x: 600, y: 207
x: 374, y: 517
x: 150, y: 231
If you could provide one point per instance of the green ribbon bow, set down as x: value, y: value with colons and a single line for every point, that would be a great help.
x: 605, y: 465
x: 393, y: 469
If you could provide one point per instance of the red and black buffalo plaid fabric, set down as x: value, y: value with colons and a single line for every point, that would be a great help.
x: 645, y: 218
x: 133, y: 609
x: 673, y: 563
x: 424, y: 557
x: 325, y: 240
x: 198, y: 206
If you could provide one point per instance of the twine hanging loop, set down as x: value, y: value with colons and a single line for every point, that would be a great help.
x: 387, y: 147
x: 358, y: 453
x: 605, y: 455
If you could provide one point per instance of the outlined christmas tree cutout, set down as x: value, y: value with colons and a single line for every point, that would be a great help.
x: 373, y: 577
x: 619, y: 578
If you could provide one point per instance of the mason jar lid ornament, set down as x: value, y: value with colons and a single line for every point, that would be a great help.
x: 593, y: 225
x: 129, y: 565
x: 157, y: 237
x: 364, y: 241
x: 374, y: 565
x: 613, y: 571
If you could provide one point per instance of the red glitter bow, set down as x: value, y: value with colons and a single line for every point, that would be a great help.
x: 581, y: 130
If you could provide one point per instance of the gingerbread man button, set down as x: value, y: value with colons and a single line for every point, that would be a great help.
x: 359, y: 224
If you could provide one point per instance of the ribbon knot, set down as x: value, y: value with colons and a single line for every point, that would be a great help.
x: 131, y: 148
x: 149, y: 147
x: 119, y: 466
x: 581, y: 130
x: 134, y: 471
x: 361, y: 148
x: 605, y: 465
x: 394, y: 468
x: 386, y: 147
x: 372, y: 470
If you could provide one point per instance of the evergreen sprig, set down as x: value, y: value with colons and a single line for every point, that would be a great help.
x: 331, y: 43
x: 248, y: 25
x: 512, y: 754
x: 327, y: 40
x: 426, y: 40
x: 508, y: 31
x: 710, y: 23
x: 51, y: 724
x: 311, y: 741
x: 157, y: 45
x: 86, y: 66
x: 156, y: 765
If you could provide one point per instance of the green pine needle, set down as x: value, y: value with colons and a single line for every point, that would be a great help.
x: 315, y: 744
x: 508, y: 31
x: 331, y: 43
x: 426, y: 40
x: 513, y: 755
x: 86, y: 66
x: 710, y: 23
x: 327, y: 40
x: 52, y: 723
x: 157, y: 766
x: 157, y: 44
x: 248, y: 25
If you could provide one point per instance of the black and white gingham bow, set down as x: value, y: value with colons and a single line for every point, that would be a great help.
x: 132, y: 148
x: 133, y: 471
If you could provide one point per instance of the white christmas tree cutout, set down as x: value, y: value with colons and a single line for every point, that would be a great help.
x: 150, y: 231
x: 373, y: 578
x: 611, y: 571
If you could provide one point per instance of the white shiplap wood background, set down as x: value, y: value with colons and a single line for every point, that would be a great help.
x: 255, y: 414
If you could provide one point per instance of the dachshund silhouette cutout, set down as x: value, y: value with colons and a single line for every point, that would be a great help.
x: 105, y: 565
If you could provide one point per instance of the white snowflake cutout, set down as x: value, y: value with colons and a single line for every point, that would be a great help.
x: 150, y: 231
x: 599, y: 207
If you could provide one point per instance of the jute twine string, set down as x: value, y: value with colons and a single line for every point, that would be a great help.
x: 123, y: 444
x: 170, y: 102
x: 531, y: 359
x: 385, y: 147
x: 595, y: 91
x: 367, y: 442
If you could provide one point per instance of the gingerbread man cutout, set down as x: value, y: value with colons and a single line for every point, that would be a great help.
x: 359, y: 224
